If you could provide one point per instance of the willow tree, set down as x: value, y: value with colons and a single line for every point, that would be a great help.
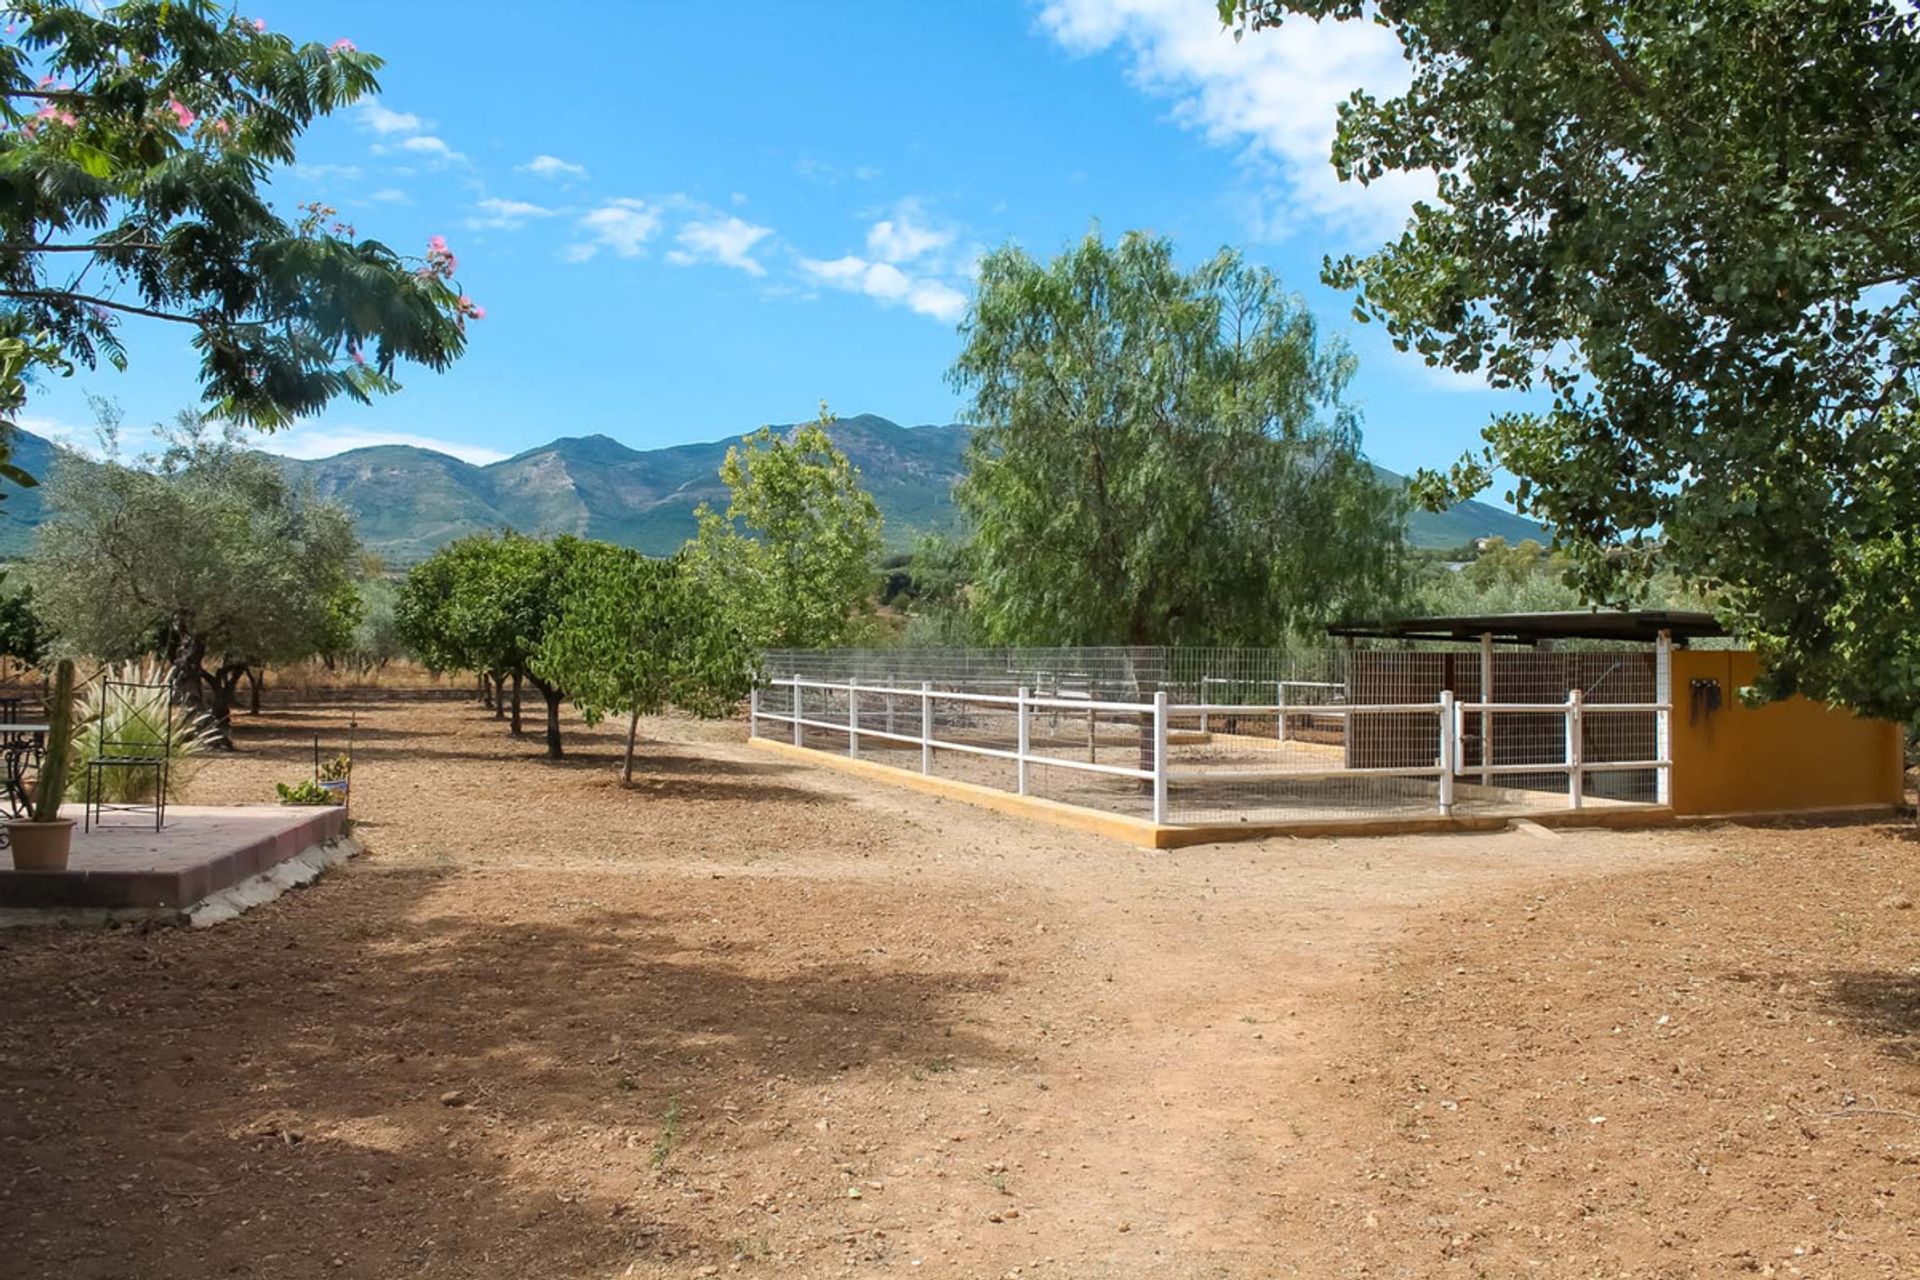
x: 1162, y: 456
x: 1692, y: 228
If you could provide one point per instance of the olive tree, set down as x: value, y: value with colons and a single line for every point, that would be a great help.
x: 206, y: 553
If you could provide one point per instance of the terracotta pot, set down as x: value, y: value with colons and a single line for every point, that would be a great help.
x: 41, y: 846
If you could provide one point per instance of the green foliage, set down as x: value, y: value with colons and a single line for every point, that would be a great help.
x: 307, y: 791
x: 56, y: 761
x: 793, y: 558
x: 146, y: 724
x: 139, y: 148
x: 937, y: 596
x: 484, y: 604
x: 1688, y: 226
x: 23, y: 636
x: 205, y: 552
x: 1162, y: 457
x: 634, y: 636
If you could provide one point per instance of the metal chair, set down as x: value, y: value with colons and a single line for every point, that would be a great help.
x: 135, y: 734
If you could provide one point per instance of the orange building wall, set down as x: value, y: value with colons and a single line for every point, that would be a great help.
x: 1789, y: 756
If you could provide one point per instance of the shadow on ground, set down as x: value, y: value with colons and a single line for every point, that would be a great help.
x: 377, y: 1077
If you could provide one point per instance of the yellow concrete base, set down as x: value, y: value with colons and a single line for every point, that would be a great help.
x: 1150, y: 835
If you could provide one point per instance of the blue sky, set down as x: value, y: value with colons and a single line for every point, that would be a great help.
x: 685, y: 221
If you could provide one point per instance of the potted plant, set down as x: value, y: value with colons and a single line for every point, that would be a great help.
x: 43, y: 841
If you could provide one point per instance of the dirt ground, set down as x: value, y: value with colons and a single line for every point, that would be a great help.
x: 762, y: 1019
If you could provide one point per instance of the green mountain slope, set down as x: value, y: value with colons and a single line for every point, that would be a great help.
x: 408, y: 501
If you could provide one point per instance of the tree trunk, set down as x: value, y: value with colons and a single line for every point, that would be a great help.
x: 256, y: 676
x: 554, y: 697
x: 486, y: 691
x: 499, y: 697
x: 633, y: 731
x: 221, y: 685
x: 516, y: 704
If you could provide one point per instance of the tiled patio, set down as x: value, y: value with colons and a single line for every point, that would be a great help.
x: 201, y: 851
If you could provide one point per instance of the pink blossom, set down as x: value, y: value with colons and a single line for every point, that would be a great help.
x: 436, y: 244
x: 344, y: 45
x: 181, y: 113
x: 221, y: 127
x: 478, y: 313
x: 259, y: 24
x: 358, y: 357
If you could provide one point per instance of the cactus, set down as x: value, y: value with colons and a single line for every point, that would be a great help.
x: 52, y: 784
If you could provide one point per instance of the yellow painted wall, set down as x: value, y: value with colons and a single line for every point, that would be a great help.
x: 1789, y: 756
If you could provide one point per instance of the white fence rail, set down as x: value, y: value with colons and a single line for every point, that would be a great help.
x: 1162, y: 772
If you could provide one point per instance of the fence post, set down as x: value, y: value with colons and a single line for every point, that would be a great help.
x: 1020, y: 764
x: 1280, y: 702
x: 1663, y: 718
x: 798, y: 738
x: 853, y: 715
x: 1449, y: 743
x: 753, y: 711
x: 1576, y: 751
x: 926, y: 726
x: 1160, y: 756
x: 1203, y: 703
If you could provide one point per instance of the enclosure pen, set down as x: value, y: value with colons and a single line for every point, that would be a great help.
x: 1207, y: 737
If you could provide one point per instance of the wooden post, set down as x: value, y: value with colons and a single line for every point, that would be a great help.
x: 753, y: 712
x: 798, y: 736
x: 1449, y: 742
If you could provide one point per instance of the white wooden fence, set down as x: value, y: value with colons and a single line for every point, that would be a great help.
x: 1163, y: 771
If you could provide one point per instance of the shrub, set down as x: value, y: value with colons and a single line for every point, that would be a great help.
x: 139, y: 718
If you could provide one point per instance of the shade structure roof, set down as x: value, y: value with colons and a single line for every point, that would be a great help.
x: 1642, y: 625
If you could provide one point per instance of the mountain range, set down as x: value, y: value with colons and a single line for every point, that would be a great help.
x: 409, y: 500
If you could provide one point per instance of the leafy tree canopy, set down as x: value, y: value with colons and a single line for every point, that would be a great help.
x: 794, y: 556
x: 137, y: 143
x: 633, y: 635
x: 206, y: 553
x: 1162, y: 456
x: 1693, y: 226
x: 484, y: 604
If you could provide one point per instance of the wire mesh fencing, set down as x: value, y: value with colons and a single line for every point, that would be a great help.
x: 1267, y: 736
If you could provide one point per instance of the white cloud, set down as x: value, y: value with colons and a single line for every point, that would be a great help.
x: 324, y: 172
x: 622, y: 226
x: 323, y: 442
x: 888, y: 284
x: 941, y: 301
x: 907, y: 235
x: 390, y: 195
x: 553, y: 167
x: 384, y: 121
x: 506, y: 215
x: 1274, y: 94
x: 433, y: 148
x: 728, y: 241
